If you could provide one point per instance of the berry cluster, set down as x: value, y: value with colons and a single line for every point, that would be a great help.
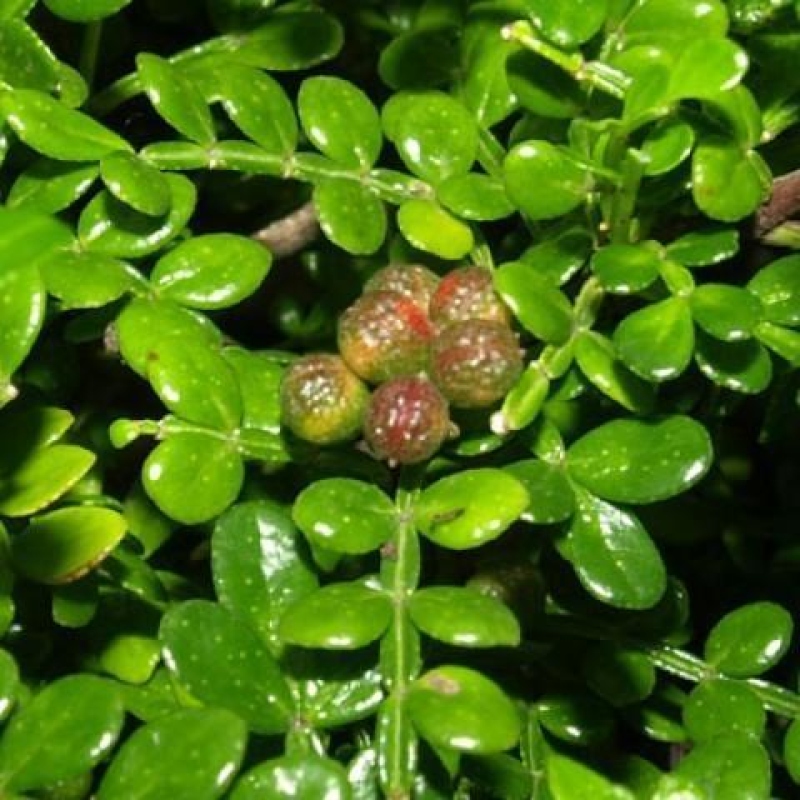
x: 426, y: 344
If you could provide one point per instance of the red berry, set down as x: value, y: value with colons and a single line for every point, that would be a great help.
x: 413, y: 281
x: 407, y: 421
x: 476, y: 362
x: 322, y: 401
x: 384, y: 335
x: 467, y: 293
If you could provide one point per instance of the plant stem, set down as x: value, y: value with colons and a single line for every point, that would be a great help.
x: 90, y: 49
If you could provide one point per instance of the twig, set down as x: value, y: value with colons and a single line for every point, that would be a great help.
x: 290, y: 234
x: 782, y: 205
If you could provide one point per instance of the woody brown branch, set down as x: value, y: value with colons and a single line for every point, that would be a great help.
x: 782, y: 205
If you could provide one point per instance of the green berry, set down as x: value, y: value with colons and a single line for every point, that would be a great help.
x: 413, y: 281
x: 467, y: 293
x: 384, y: 335
x: 476, y: 362
x: 407, y: 421
x: 322, y: 401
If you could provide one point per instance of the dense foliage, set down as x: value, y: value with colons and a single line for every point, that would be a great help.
x: 588, y: 591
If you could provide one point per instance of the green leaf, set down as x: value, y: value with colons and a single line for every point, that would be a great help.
x: 191, y: 754
x: 350, y: 215
x: 15, y: 8
x: 434, y: 134
x: 26, y: 430
x: 484, y: 86
x: 81, y: 279
x: 428, y: 227
x: 470, y: 508
x: 294, y: 776
x: 223, y: 663
x: 115, y: 229
x: 463, y: 617
x: 24, y: 306
x: 673, y: 21
x: 9, y: 683
x: 340, y: 616
x: 74, y: 604
x: 51, y: 186
x: 475, y: 197
x: 777, y: 286
x: 707, y: 66
x: 540, y: 308
x: 345, y: 515
x: 64, y: 731
x: 340, y: 121
x: 561, y: 255
x: 718, y: 706
x: 258, y: 565
x: 175, y: 98
x: 85, y: 10
x: 52, y: 129
x: 543, y: 181
x: 235, y: 15
x: 657, y: 341
x: 575, y: 717
x: 739, y: 112
x: 25, y: 61
x: 743, y: 366
x: 784, y: 342
x: 620, y: 676
x: 542, y: 88
x: 725, y: 312
x: 420, y: 59
x: 568, y: 24
x: 523, y: 402
x: 64, y: 545
x: 791, y: 751
x: 551, y: 496
x: 41, y: 478
x: 613, y: 556
x: 667, y: 145
x: 728, y: 183
x: 638, y: 461
x: 627, y: 268
x: 750, y: 640
x: 571, y: 777
x: 193, y: 477
x: 705, y: 247
x: 459, y: 709
x: 133, y: 181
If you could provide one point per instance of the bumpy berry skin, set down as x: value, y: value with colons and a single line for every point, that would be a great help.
x: 467, y: 293
x: 384, y: 335
x: 322, y: 401
x: 476, y: 362
x: 407, y: 421
x: 413, y: 281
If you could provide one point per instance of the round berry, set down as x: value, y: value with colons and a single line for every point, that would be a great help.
x: 407, y: 421
x: 384, y: 335
x: 322, y: 401
x: 476, y: 362
x: 467, y: 293
x: 413, y: 281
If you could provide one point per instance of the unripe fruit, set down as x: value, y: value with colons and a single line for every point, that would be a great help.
x: 475, y: 363
x: 413, y: 281
x: 407, y: 421
x: 384, y: 335
x: 322, y: 401
x: 467, y: 293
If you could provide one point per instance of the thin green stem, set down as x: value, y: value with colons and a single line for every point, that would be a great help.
x: 90, y: 50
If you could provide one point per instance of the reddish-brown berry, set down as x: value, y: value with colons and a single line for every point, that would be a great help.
x: 407, y: 421
x: 467, y: 293
x: 476, y: 362
x: 384, y: 335
x: 322, y: 401
x: 413, y: 281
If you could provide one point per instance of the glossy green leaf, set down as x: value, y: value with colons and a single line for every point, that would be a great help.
x: 340, y: 616
x: 350, y: 215
x: 542, y: 88
x: 657, y: 341
x: 543, y: 181
x: 551, y: 496
x: 599, y: 363
x: 420, y: 59
x: 64, y: 545
x: 777, y: 286
x: 52, y: 129
x: 463, y: 617
x: 9, y: 683
x: 791, y: 751
x: 571, y: 777
x: 725, y: 312
x: 638, y: 461
x: 223, y: 663
x: 397, y: 745
x: 75, y: 604
x: 659, y: 717
x: 561, y: 255
x: 26, y: 430
x: 750, y: 640
x: 718, y: 706
x: 25, y: 60
x: 15, y: 8
x: 707, y: 66
x: 294, y: 776
x: 647, y: 97
x: 427, y: 226
x: 51, y: 186
x: 523, y: 402
x: 341, y: 121
x: 191, y: 754
x: 702, y: 248
x: 133, y: 181
x: 460, y: 709
x: 613, y: 556
x: 258, y: 565
x: 667, y: 145
x: 627, y: 268
x: 657, y: 20
x: 728, y: 184
x: 475, y: 196
x: 85, y: 10
x: 743, y: 366
x: 738, y: 110
x: 81, y: 279
x: 568, y: 24
x: 485, y: 88
x: 576, y: 717
x: 193, y: 477
x: 64, y: 731
x: 115, y: 229
x: 784, y: 342
x: 470, y: 508
x: 620, y: 676
x: 23, y: 304
x: 434, y: 134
